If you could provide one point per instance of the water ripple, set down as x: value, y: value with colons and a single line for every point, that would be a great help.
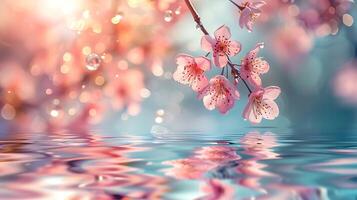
x: 168, y: 165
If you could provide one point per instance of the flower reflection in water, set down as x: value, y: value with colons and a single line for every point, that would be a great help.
x: 259, y: 147
x: 204, y: 160
x: 75, y: 168
x: 223, y: 169
x: 250, y: 166
x: 217, y: 190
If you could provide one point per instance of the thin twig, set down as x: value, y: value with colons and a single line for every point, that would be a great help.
x: 238, y: 6
x: 196, y: 17
x: 232, y: 66
x: 240, y: 77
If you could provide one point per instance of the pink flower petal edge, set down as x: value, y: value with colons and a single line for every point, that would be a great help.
x: 253, y: 66
x: 221, y: 46
x: 261, y: 105
x: 251, y: 11
x: 220, y: 94
x: 190, y: 71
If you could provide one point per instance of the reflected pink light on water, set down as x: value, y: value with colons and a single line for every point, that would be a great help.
x: 74, y: 170
x: 203, y: 160
x: 286, y: 191
x: 217, y: 190
x: 90, y: 166
x: 259, y: 146
x: 217, y: 154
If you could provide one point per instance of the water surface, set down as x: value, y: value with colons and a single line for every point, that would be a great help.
x: 262, y: 164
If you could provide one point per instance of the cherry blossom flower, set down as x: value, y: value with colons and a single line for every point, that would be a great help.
x: 219, y: 93
x: 253, y: 66
x: 261, y: 105
x: 251, y: 11
x: 190, y: 71
x: 221, y: 46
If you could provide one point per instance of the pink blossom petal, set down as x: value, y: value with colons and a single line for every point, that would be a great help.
x: 251, y: 115
x: 271, y: 109
x: 252, y: 55
x: 253, y: 66
x: 234, y: 48
x: 247, y: 109
x: 183, y: 60
x: 209, y: 101
x: 260, y: 66
x: 258, y: 3
x: 271, y: 92
x: 207, y: 43
x: 203, y: 63
x: 244, y: 17
x: 249, y: 26
x: 182, y: 73
x: 244, y: 73
x: 203, y: 92
x: 189, y: 72
x: 220, y: 94
x: 231, y: 89
x: 236, y: 94
x: 255, y: 80
x: 220, y: 79
x: 180, y: 76
x: 224, y: 103
x: 255, y: 116
x: 208, y: 95
x: 254, y: 10
x: 222, y: 32
x: 261, y: 104
x: 199, y: 83
x: 220, y: 60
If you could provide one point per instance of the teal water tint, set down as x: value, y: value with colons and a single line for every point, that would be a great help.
x: 261, y: 164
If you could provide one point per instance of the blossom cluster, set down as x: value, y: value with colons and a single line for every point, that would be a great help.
x: 245, y: 167
x: 220, y: 92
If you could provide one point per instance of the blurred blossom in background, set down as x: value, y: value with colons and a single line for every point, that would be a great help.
x: 108, y: 65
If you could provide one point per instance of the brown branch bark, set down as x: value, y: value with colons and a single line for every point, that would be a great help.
x: 196, y: 17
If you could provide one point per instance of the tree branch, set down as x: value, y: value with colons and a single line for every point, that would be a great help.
x: 196, y: 17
